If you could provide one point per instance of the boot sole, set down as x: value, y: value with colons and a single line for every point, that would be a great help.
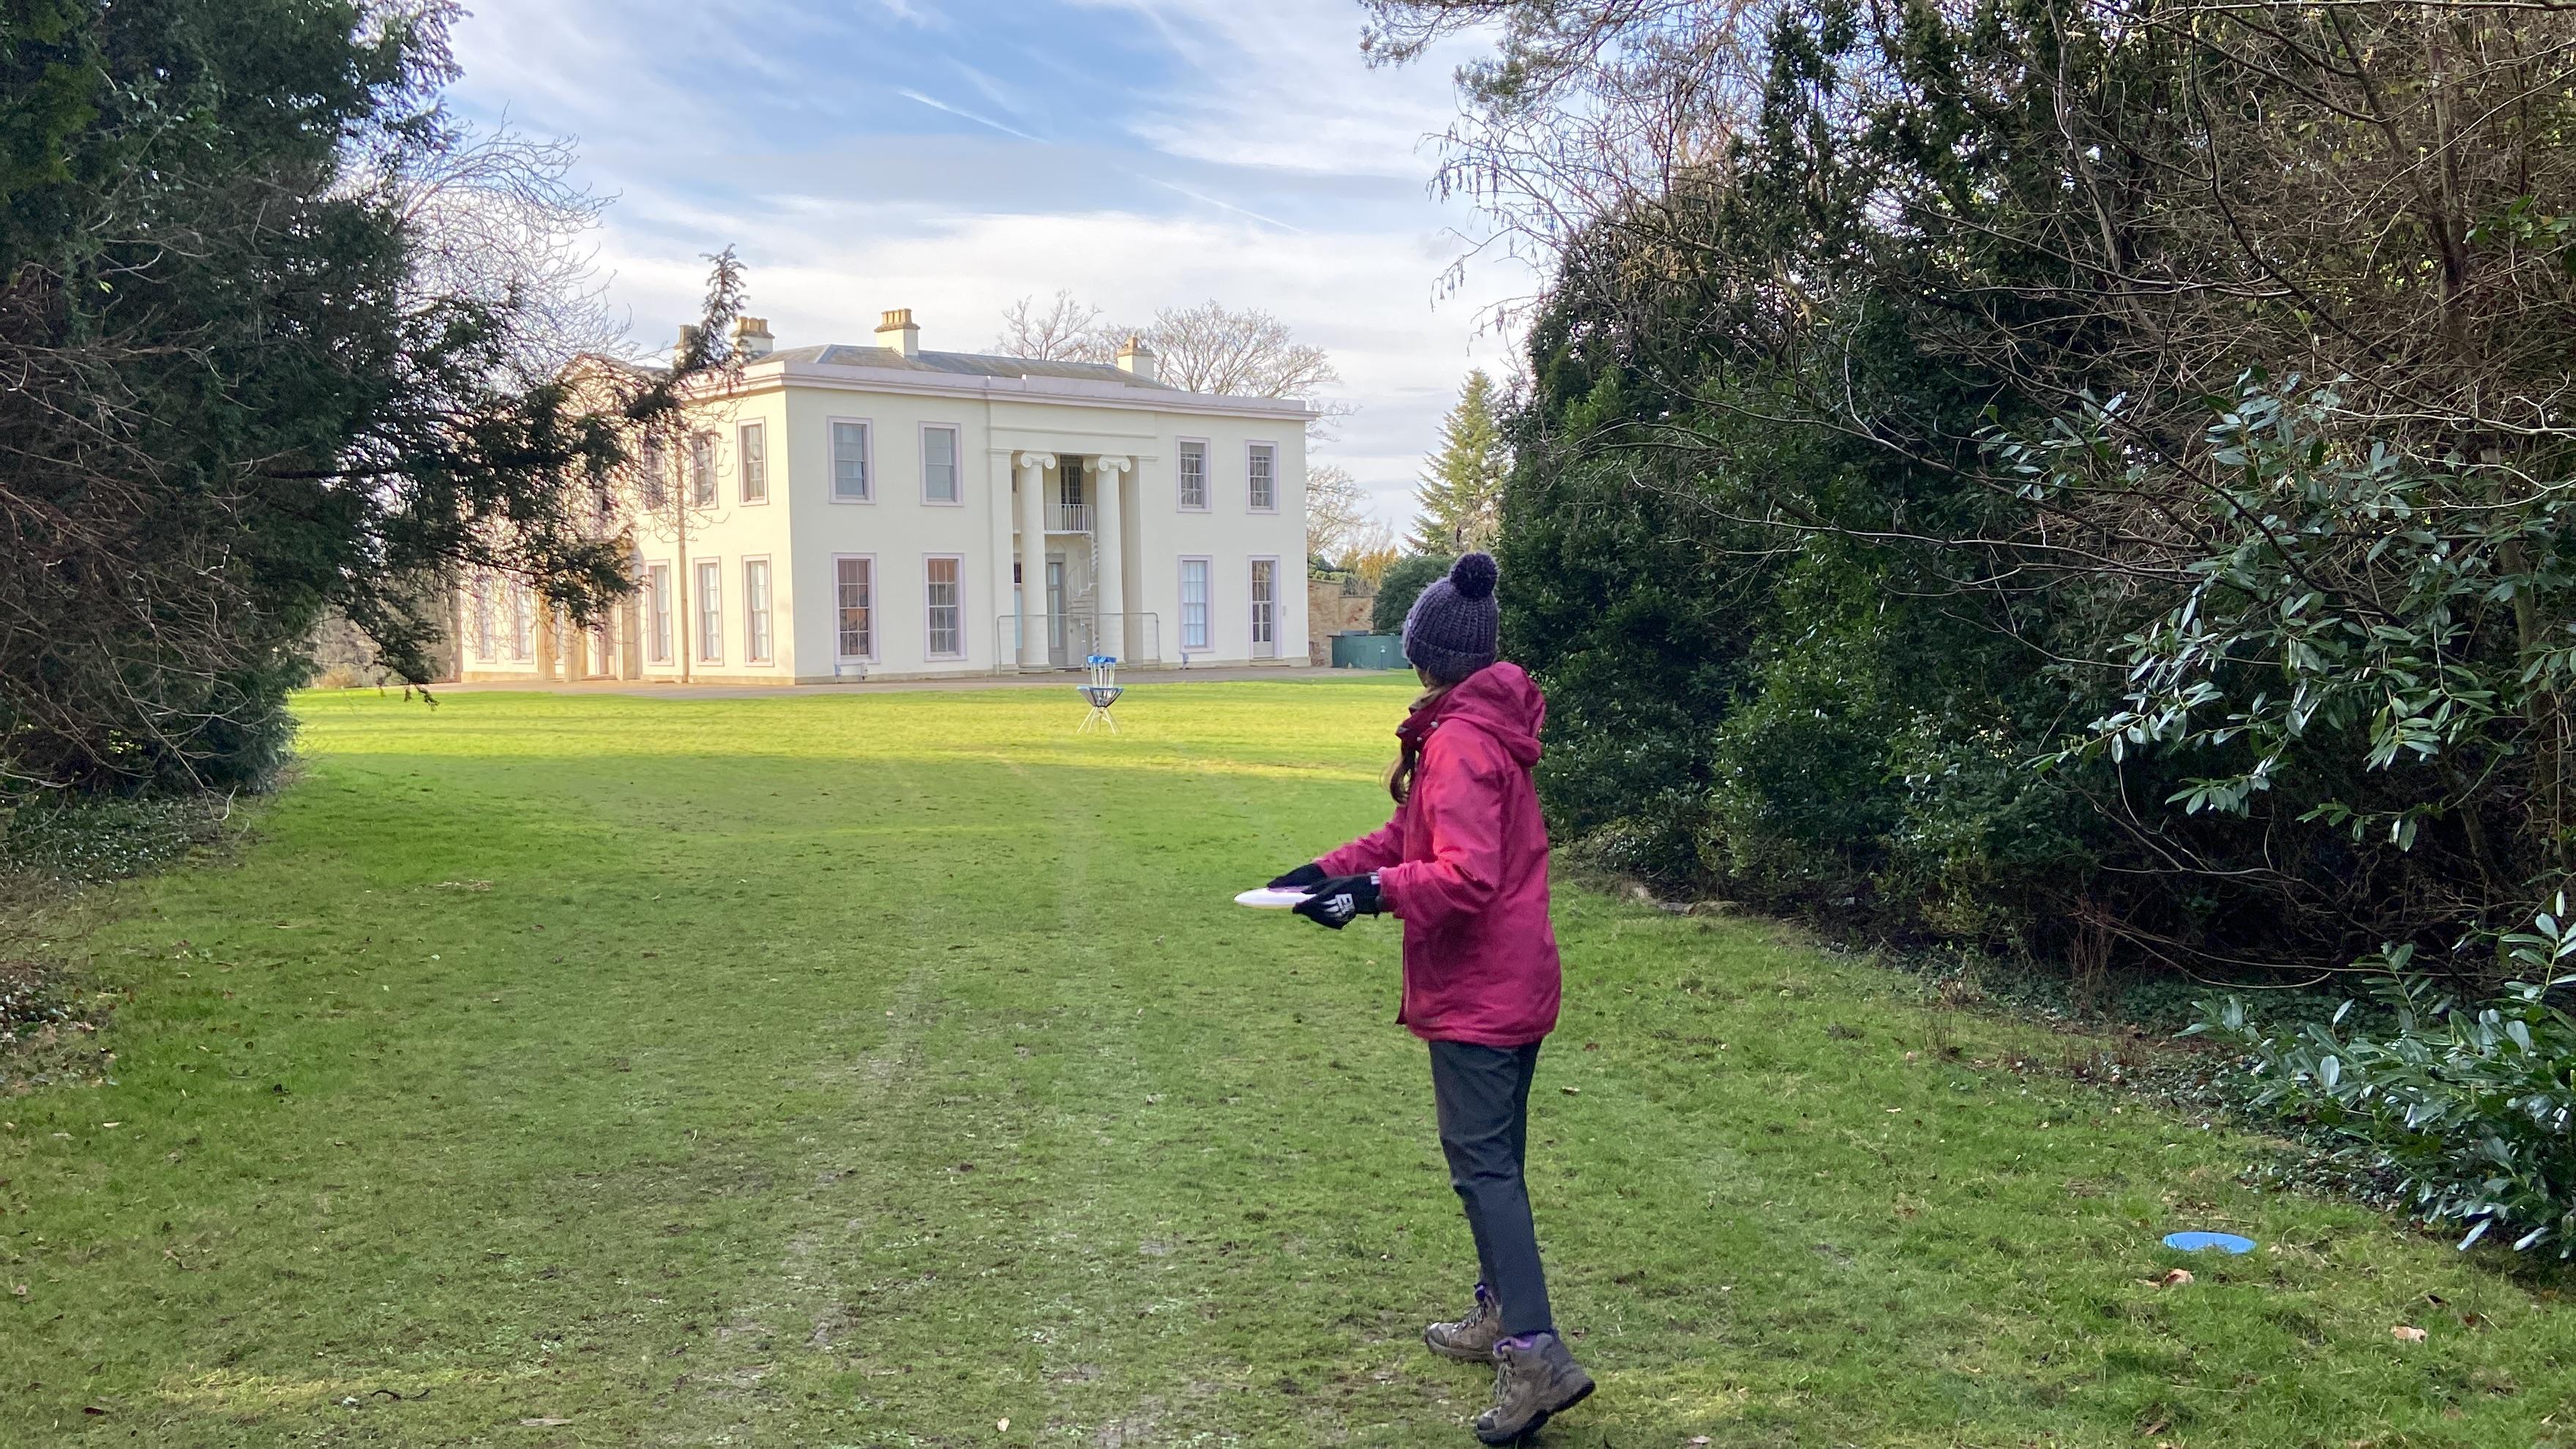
x: 1534, y: 1425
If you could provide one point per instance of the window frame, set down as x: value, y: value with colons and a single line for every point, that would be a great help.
x: 956, y: 465
x: 702, y: 444
x: 1207, y: 606
x: 867, y: 460
x: 653, y: 488
x: 744, y: 456
x: 711, y: 564
x: 929, y: 630
x: 1251, y: 446
x: 767, y: 614
x: 1180, y: 491
x: 523, y: 622
x: 485, y: 624
x: 1251, y: 607
x: 874, y: 608
x: 659, y: 621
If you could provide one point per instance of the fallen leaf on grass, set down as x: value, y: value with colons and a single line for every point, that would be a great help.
x: 543, y: 1423
x: 2405, y: 1334
x: 2175, y: 1278
x: 1696, y: 1439
x: 18, y: 1289
x: 93, y: 1409
x: 1002, y: 1424
x: 1571, y: 1091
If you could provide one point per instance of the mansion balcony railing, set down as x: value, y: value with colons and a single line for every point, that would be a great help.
x: 1069, y: 518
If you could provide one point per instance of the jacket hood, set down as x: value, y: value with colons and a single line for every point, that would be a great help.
x: 1503, y: 701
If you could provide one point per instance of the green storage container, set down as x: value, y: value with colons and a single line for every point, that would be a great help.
x: 1360, y: 649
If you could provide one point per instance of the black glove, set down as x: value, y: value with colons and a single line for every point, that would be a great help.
x: 1303, y: 876
x: 1335, y: 901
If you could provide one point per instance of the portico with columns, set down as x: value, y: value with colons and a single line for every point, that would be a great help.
x: 1068, y: 551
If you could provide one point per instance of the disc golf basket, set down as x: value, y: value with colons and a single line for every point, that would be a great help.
x: 1102, y: 691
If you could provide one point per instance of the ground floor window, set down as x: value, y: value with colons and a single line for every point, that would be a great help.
x: 1194, y: 604
x: 945, y: 602
x: 710, y: 611
x: 755, y: 610
x: 486, y: 636
x: 657, y: 612
x: 523, y: 622
x: 854, y: 585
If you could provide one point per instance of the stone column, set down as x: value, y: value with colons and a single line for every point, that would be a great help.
x: 544, y: 629
x: 1033, y: 521
x: 1000, y: 553
x: 1109, y: 546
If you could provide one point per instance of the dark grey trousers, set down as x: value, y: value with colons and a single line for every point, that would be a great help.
x: 1482, y: 1094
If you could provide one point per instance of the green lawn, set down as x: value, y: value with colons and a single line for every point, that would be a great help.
x: 872, y: 1070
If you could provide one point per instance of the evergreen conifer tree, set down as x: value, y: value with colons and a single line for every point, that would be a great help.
x: 1458, y: 505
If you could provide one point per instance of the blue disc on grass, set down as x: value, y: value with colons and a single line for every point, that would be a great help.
x: 2201, y: 1242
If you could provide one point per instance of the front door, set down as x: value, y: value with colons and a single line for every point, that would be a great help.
x: 1265, y: 608
x: 1055, y: 612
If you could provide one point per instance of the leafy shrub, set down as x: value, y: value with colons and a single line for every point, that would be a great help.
x: 1405, y: 580
x: 2470, y: 1104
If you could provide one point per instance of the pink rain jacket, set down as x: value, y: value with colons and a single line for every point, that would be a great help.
x: 1464, y: 865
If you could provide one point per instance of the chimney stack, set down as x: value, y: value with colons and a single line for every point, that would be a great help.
x: 1136, y: 359
x: 688, y: 339
x: 751, y: 338
x: 896, y: 330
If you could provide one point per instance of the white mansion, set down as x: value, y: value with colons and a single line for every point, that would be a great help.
x: 847, y: 512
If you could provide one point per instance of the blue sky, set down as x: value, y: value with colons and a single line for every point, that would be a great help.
x: 954, y: 155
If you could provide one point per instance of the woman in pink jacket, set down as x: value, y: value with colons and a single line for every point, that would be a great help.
x: 1464, y: 865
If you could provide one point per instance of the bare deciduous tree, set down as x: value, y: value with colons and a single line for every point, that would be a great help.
x: 1585, y: 109
x: 496, y: 217
x: 1336, y: 511
x: 1241, y: 353
x: 1064, y: 330
x: 1211, y: 347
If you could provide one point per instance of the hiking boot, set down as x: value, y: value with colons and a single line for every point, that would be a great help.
x: 1534, y: 1380
x: 1471, y: 1338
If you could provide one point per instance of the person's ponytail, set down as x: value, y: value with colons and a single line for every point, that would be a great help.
x: 1399, y: 778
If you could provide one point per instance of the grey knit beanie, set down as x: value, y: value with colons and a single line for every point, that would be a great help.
x: 1452, y: 629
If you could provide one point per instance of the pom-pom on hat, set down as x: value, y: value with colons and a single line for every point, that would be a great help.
x: 1453, y: 628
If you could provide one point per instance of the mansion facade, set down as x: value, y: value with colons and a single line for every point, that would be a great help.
x: 848, y: 512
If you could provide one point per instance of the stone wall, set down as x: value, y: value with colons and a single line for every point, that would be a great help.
x: 1331, y: 610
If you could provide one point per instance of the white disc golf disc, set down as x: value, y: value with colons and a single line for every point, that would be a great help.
x: 1266, y: 899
